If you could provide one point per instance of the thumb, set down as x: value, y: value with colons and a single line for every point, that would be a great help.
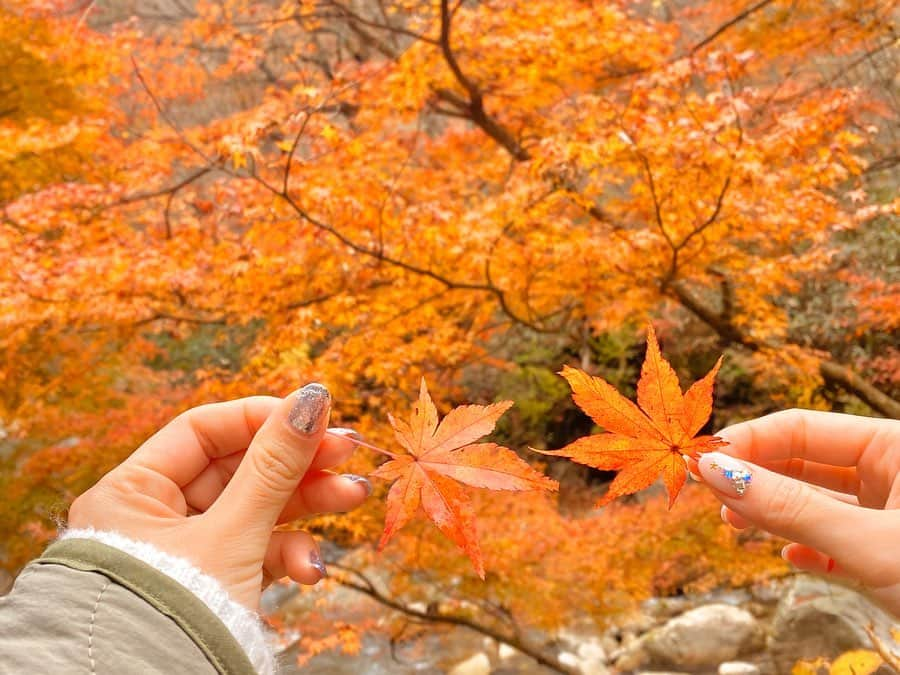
x: 274, y: 464
x: 794, y: 510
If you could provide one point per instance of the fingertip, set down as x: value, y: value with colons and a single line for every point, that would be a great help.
x: 734, y: 520
x: 786, y: 552
x: 737, y: 438
x: 360, y: 481
x: 317, y: 564
x: 727, y: 475
x: 337, y: 446
x: 310, y: 409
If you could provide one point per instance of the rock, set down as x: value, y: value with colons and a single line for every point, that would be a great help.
x: 567, y: 659
x: 479, y: 664
x: 738, y: 668
x: 656, y: 610
x: 769, y: 592
x: 585, y: 653
x: 631, y: 657
x: 609, y: 644
x: 505, y: 652
x: 816, y: 618
x: 705, y: 636
x: 591, y: 656
x: 638, y: 622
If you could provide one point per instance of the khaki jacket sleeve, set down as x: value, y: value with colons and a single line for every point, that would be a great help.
x: 84, y: 607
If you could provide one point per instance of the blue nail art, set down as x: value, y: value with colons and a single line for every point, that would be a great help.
x: 740, y: 478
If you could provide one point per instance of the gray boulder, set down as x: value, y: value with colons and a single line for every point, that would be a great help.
x: 700, y: 638
x: 816, y: 618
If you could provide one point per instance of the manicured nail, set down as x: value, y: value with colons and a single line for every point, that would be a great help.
x: 362, y: 480
x: 308, y: 414
x: 723, y: 514
x: 784, y: 553
x: 315, y: 561
x: 695, y: 477
x: 725, y: 473
x: 344, y: 431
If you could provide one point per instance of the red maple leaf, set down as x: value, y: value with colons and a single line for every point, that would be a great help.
x: 643, y: 442
x: 442, y: 459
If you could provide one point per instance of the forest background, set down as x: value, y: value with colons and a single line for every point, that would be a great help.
x: 207, y: 199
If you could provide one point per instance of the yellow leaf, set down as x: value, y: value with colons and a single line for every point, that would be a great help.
x: 856, y: 662
x: 329, y: 133
x: 809, y: 667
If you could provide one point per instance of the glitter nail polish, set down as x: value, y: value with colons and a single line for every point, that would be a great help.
x: 315, y: 561
x: 725, y: 473
x: 308, y: 414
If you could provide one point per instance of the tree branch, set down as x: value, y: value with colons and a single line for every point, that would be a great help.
x: 380, y: 255
x: 830, y: 370
x: 541, y: 656
x: 729, y: 24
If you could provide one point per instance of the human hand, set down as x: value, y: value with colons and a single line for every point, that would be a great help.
x: 828, y: 482
x: 212, y: 484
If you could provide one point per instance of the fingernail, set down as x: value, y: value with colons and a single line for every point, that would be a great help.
x: 784, y: 554
x: 315, y: 561
x: 725, y: 473
x: 695, y: 477
x: 362, y: 480
x: 723, y: 514
x: 344, y: 431
x: 308, y: 414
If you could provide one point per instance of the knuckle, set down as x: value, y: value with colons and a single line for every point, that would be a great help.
x: 272, y: 465
x: 787, y: 505
x: 128, y: 481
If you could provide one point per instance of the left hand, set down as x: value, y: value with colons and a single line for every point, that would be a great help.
x: 827, y: 482
x: 212, y: 484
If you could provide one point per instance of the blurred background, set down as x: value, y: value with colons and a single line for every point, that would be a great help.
x: 206, y: 199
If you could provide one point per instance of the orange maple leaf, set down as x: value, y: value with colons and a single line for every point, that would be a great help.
x: 643, y: 442
x: 441, y: 458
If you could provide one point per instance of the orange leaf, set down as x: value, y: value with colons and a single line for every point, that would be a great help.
x: 442, y: 458
x: 658, y: 392
x: 645, y: 442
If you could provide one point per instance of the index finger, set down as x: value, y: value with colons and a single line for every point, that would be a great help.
x: 183, y: 448
x: 217, y: 434
x: 829, y: 438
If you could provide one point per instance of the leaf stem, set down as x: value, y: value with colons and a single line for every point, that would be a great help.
x: 365, y: 445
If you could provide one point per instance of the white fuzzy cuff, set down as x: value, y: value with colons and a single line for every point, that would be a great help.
x: 246, y: 626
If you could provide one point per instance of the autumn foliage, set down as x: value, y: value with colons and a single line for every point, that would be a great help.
x: 443, y: 456
x: 229, y: 197
x: 642, y: 445
x: 647, y: 442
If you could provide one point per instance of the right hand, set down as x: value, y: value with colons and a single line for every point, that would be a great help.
x: 828, y: 482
